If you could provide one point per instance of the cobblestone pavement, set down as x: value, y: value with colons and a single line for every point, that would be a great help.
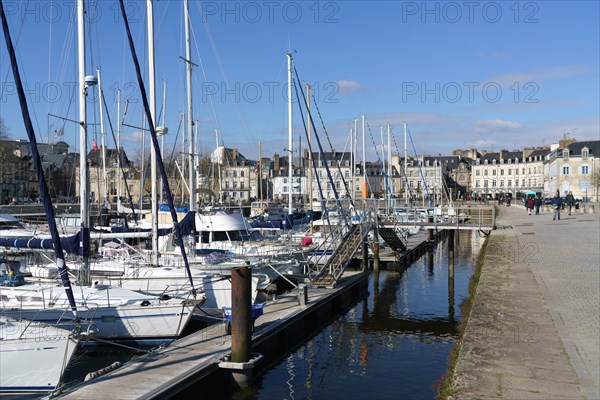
x: 534, y: 328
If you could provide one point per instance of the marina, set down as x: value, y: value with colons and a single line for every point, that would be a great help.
x: 154, y: 252
x: 194, y: 360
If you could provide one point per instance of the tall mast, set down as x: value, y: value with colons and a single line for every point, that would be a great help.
x: 162, y: 136
x: 364, y: 161
x: 105, y: 186
x: 152, y: 101
x: 190, y: 122
x: 383, y: 167
x: 405, y: 168
x: 119, y: 150
x: 260, y: 195
x: 83, y: 277
x: 310, y: 168
x: 289, y: 56
x: 390, y: 171
x: 353, y: 162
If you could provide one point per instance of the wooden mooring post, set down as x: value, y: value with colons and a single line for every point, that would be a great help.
x: 430, y: 246
x: 242, y: 360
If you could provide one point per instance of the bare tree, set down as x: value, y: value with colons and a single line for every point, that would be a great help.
x: 3, y: 130
x: 595, y: 182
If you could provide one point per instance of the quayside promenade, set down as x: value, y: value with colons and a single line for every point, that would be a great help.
x: 533, y: 331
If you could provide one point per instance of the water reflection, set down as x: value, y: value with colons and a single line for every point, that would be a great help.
x: 393, y: 344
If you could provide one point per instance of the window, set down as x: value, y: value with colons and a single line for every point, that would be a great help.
x: 284, y: 180
x: 485, y: 183
x: 565, y: 170
x: 485, y: 172
x: 501, y: 182
x: 585, y: 169
x: 242, y: 185
x: 285, y: 189
x: 493, y: 172
x: 510, y: 171
x: 585, y: 152
x: 476, y: 183
x: 510, y: 183
x: 522, y: 182
x: 477, y: 172
x: 502, y: 171
x: 242, y: 173
x: 565, y: 154
x: 494, y: 183
x: 523, y: 170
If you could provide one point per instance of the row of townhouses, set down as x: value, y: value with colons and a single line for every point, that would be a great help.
x: 227, y: 176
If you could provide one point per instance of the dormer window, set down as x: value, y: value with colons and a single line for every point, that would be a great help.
x: 485, y: 162
x: 493, y: 161
x: 565, y: 154
x: 585, y: 153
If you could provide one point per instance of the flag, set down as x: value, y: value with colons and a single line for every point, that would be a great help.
x: 94, y: 146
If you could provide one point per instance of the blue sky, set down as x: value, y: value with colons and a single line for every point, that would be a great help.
x: 462, y: 74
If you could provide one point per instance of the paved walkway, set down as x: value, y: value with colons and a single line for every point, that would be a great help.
x: 534, y: 328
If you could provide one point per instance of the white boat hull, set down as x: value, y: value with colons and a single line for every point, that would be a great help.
x: 115, y: 313
x: 33, y: 356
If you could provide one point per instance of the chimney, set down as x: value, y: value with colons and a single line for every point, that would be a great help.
x: 527, y: 152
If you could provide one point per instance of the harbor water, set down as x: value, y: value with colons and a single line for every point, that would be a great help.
x: 395, y: 344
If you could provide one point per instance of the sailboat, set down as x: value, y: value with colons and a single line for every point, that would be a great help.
x: 33, y: 355
x: 118, y: 314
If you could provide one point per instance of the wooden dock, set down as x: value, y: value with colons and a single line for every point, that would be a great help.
x: 193, y: 361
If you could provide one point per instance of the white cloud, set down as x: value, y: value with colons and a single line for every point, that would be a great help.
x: 347, y: 87
x: 541, y: 74
x: 491, y: 126
x: 483, y: 144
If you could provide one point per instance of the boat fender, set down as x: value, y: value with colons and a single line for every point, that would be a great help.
x: 100, y: 372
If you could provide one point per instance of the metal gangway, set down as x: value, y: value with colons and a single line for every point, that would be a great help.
x: 461, y: 217
x: 328, y: 273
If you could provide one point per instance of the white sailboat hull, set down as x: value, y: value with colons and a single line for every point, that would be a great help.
x: 114, y: 313
x: 33, y: 355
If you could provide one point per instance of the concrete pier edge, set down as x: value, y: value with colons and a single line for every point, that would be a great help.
x: 523, y: 337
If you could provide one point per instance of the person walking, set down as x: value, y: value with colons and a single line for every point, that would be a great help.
x: 537, y: 203
x: 557, y: 202
x: 530, y: 204
x: 570, y: 201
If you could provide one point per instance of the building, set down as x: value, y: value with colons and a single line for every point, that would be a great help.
x: 573, y: 166
x: 18, y: 178
x: 110, y: 177
x: 517, y: 173
x: 237, y: 178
